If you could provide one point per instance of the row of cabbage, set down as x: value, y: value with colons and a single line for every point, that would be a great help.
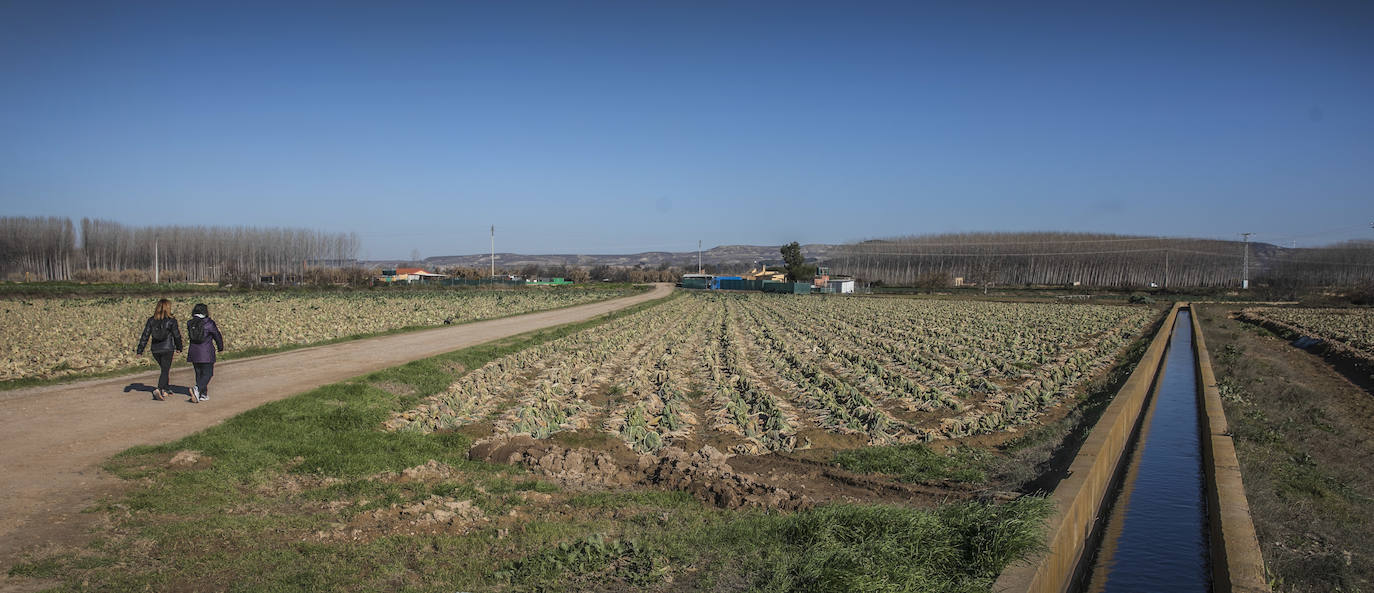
x: 55, y: 337
x: 754, y: 371
x: 1353, y: 327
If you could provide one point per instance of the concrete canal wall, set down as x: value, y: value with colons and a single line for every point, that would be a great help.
x: 1079, y: 499
x: 1237, y: 565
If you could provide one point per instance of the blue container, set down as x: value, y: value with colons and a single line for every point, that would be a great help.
x: 715, y: 281
x: 740, y: 284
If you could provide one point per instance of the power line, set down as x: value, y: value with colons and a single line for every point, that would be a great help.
x: 1027, y: 254
x: 1280, y: 259
x: 1245, y: 267
x: 1324, y: 263
x: 1025, y: 242
x: 1308, y: 235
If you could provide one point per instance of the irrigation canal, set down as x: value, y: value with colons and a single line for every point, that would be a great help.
x: 1155, y: 537
x: 1154, y: 499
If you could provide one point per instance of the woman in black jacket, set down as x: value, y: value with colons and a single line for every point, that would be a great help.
x: 162, y: 329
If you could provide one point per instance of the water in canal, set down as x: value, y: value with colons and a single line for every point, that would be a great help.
x: 1156, y: 535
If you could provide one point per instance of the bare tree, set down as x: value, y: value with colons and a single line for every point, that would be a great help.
x: 46, y: 249
x: 1117, y: 261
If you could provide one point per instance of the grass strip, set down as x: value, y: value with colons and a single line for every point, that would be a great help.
x: 841, y: 547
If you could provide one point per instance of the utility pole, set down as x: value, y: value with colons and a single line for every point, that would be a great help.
x: 155, y: 270
x: 700, y: 270
x: 1245, y: 271
x: 1165, y: 248
x: 493, y: 251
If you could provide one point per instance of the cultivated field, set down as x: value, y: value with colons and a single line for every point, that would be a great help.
x: 1352, y: 327
x: 47, y: 338
x: 750, y: 373
x: 309, y: 490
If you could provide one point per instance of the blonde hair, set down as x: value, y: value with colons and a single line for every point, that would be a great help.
x: 163, y: 310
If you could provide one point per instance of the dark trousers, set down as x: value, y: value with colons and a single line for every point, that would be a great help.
x: 204, y: 370
x: 164, y: 360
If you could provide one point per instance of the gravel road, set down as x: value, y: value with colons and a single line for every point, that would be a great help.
x: 53, y: 438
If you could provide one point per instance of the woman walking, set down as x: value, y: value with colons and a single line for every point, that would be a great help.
x: 165, y: 334
x: 205, y: 340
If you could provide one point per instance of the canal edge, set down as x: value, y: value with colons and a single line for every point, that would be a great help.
x: 1079, y: 498
x: 1237, y: 564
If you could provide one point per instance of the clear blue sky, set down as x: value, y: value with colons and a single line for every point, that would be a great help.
x: 588, y: 127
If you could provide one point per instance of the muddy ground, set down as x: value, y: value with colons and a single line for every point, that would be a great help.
x: 773, y: 481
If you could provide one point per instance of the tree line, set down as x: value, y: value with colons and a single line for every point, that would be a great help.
x: 1099, y: 260
x: 577, y: 274
x: 38, y: 248
x: 1350, y: 263
x: 50, y: 249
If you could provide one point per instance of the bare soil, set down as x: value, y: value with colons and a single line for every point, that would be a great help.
x: 54, y: 438
x: 773, y: 481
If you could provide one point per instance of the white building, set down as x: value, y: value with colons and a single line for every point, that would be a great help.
x: 840, y: 285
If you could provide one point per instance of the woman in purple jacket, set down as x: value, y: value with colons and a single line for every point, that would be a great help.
x: 205, y: 340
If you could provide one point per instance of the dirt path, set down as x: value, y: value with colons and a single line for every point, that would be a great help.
x: 1304, y: 435
x: 53, y: 438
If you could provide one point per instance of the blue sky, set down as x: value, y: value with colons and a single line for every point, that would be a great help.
x: 590, y: 127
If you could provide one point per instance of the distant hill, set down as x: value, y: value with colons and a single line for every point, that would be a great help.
x: 724, y: 255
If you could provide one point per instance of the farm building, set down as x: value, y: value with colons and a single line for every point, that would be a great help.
x: 697, y: 280
x: 716, y: 280
x: 840, y: 285
x: 765, y: 274
x: 821, y: 279
x: 709, y: 281
x: 409, y: 275
x: 713, y: 282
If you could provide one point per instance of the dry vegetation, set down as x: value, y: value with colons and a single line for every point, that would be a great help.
x: 47, y: 338
x: 1303, y: 435
x: 751, y: 374
x: 1353, y: 328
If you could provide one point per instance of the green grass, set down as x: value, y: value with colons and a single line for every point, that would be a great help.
x: 247, y: 517
x: 879, y: 548
x: 918, y: 463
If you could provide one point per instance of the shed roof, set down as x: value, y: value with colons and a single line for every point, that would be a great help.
x: 414, y: 272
